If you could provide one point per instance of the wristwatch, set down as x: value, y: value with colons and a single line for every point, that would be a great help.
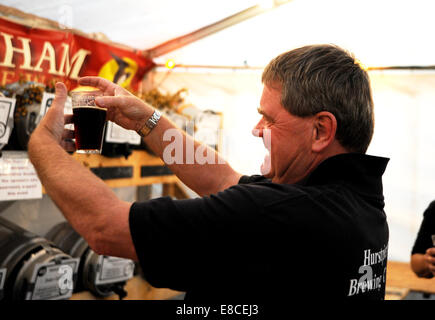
x: 149, y: 124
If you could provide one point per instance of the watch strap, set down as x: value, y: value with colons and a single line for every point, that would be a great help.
x: 149, y: 124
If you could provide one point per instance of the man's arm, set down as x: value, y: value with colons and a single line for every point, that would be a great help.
x: 91, y: 208
x: 204, y: 179
x: 131, y: 113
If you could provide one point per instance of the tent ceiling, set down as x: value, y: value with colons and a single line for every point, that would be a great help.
x: 379, y: 33
x: 141, y: 24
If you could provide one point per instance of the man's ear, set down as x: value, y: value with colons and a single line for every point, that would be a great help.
x: 324, y: 129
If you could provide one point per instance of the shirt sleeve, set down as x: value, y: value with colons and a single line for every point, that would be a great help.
x: 427, y: 229
x: 182, y: 243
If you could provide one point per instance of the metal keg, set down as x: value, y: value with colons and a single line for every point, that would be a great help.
x: 33, y: 268
x: 101, y: 275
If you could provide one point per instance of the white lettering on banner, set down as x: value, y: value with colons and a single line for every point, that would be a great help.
x: 67, y: 67
x: 369, y: 280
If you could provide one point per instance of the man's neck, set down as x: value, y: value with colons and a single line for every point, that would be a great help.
x: 293, y: 176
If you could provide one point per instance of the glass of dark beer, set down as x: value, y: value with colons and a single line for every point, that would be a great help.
x: 89, y: 120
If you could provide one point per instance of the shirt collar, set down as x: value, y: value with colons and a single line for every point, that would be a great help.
x: 361, y: 172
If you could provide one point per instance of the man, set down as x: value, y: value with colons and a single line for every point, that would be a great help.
x: 312, y: 226
x: 423, y: 251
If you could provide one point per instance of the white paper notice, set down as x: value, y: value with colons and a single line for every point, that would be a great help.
x: 47, y: 100
x: 118, y: 134
x: 18, y: 178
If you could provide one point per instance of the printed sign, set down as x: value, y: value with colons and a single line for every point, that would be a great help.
x: 47, y: 100
x: 7, y: 107
x: 49, y: 279
x: 41, y: 55
x: 207, y: 125
x: 118, y: 134
x: 113, y: 269
x: 18, y: 178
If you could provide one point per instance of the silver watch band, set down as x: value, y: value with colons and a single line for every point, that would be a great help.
x: 150, y: 124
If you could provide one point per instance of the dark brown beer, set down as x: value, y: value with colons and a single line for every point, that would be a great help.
x: 89, y: 123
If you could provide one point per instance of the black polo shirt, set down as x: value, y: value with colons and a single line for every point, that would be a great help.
x: 427, y: 229
x: 325, y: 237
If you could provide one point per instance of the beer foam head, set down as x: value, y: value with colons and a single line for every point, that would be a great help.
x: 85, y: 96
x: 84, y: 89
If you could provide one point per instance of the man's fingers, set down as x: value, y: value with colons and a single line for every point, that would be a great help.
x: 68, y: 145
x: 120, y: 91
x: 429, y: 259
x: 68, y: 134
x: 119, y: 101
x: 68, y: 118
x: 431, y: 268
x: 103, y: 84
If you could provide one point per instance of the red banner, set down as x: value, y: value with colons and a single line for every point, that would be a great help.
x: 43, y: 56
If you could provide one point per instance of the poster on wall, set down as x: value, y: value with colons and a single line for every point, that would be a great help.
x: 44, y: 56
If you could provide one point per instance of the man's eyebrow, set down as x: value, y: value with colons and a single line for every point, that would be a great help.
x: 260, y: 111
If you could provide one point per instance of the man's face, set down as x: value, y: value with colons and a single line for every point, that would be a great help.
x: 287, y: 138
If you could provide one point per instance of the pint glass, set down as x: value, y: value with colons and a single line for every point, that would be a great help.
x: 89, y: 120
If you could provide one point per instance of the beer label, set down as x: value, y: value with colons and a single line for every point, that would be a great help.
x: 113, y: 269
x: 117, y: 134
x: 2, y: 278
x: 51, y: 281
x: 7, y: 107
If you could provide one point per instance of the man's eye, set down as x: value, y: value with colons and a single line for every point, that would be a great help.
x: 267, y: 120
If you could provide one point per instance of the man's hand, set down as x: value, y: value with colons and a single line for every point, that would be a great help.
x: 123, y: 108
x: 429, y: 259
x: 52, y: 125
x: 131, y: 113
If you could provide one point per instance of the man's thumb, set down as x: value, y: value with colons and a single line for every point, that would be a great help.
x: 61, y: 95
